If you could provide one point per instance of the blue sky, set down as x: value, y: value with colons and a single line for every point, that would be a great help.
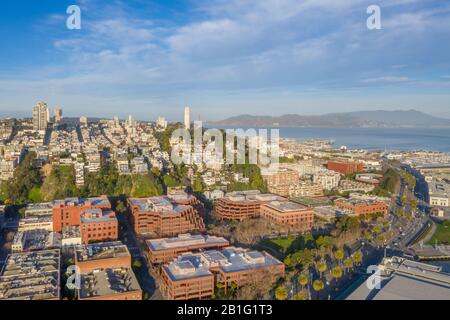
x: 224, y: 57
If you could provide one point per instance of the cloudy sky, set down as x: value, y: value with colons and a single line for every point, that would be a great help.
x: 224, y: 57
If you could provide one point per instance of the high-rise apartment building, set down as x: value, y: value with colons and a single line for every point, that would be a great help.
x: 187, y: 118
x: 40, y: 116
x: 58, y: 115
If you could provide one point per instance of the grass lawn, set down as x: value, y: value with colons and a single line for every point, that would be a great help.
x: 442, y: 234
x: 278, y: 247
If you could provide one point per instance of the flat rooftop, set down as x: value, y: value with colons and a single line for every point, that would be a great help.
x: 184, y: 240
x: 95, y: 201
x: 98, y: 215
x: 252, y: 196
x: 163, y: 205
x: 407, y: 280
x: 229, y: 260
x: 31, y: 276
x: 439, y: 188
x: 69, y: 232
x: 39, y: 206
x: 104, y: 250
x: 286, y: 206
x: 188, y: 266
x: 108, y: 282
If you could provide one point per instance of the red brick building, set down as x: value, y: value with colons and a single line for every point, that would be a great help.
x: 106, y: 272
x: 68, y: 212
x: 289, y: 214
x: 361, y: 207
x: 243, y: 205
x: 163, y: 216
x: 345, y: 167
x: 166, y: 249
x: 193, y: 276
x: 98, y: 225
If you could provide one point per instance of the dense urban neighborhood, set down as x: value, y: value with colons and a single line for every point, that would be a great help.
x: 95, y: 209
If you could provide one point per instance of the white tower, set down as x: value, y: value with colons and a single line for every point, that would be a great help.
x: 187, y: 118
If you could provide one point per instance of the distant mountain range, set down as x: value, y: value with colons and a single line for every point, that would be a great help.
x: 359, y: 119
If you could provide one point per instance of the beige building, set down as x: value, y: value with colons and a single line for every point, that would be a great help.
x: 40, y: 116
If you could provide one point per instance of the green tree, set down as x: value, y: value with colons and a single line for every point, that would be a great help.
x: 348, y: 264
x: 357, y: 257
x: 318, y: 286
x: 339, y: 255
x: 303, y: 280
x: 300, y: 296
x: 281, y: 293
x: 322, y: 267
x: 337, y: 273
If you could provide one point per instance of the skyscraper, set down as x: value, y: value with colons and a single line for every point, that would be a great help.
x: 83, y: 121
x: 187, y: 118
x: 40, y: 116
x: 58, y: 115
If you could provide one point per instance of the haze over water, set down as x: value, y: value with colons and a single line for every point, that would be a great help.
x: 402, y: 139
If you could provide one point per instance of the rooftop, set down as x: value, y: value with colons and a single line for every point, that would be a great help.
x: 286, y: 206
x: 104, y: 250
x: 252, y: 196
x: 97, y: 215
x: 439, y: 188
x: 108, y: 282
x: 95, y: 201
x: 230, y: 259
x: 158, y: 204
x: 31, y: 276
x: 407, y: 280
x: 184, y: 240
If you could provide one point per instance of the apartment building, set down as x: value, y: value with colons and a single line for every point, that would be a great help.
x: 327, y: 179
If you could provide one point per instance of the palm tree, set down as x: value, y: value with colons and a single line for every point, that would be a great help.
x: 300, y: 296
x: 281, y: 293
x: 318, y: 286
x: 322, y: 267
x: 339, y: 255
x: 336, y: 273
x: 357, y: 257
x: 303, y: 280
x: 348, y: 264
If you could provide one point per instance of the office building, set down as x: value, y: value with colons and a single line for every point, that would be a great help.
x: 345, y: 167
x: 193, y: 276
x: 166, y: 249
x: 40, y: 116
x: 106, y: 272
x: 98, y: 225
x: 68, y: 212
x: 162, y: 216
